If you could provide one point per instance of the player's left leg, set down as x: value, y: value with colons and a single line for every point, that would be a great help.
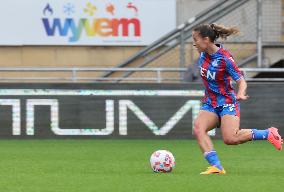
x: 208, y: 119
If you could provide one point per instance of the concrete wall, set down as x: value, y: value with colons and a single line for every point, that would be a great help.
x: 244, y: 17
x: 282, y: 21
x: 187, y: 9
x: 272, y: 20
x: 49, y: 56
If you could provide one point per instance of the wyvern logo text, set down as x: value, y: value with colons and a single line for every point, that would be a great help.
x: 108, y: 25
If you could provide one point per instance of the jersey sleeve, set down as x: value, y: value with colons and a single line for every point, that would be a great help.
x: 232, y: 69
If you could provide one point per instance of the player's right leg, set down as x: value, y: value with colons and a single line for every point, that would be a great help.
x: 233, y: 135
x: 275, y: 138
x: 207, y: 120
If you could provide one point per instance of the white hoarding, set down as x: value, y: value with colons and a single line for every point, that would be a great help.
x: 85, y: 22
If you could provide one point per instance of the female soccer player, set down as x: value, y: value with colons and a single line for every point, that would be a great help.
x: 221, y: 105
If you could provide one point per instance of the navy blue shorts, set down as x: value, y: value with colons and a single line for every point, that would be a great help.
x: 227, y: 109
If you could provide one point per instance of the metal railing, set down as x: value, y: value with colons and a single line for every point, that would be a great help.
x: 157, y: 76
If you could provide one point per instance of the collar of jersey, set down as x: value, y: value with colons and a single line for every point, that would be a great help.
x: 217, y: 54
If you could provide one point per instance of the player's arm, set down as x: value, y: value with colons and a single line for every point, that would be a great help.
x: 236, y: 74
x: 242, y: 89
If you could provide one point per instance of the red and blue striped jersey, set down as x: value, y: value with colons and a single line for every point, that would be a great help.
x: 216, y: 71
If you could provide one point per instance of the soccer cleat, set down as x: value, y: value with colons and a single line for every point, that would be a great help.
x: 213, y: 170
x: 274, y: 138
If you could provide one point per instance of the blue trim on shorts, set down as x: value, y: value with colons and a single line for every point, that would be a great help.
x: 227, y: 109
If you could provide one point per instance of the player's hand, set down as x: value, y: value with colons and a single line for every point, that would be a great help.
x: 242, y: 97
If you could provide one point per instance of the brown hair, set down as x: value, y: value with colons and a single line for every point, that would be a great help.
x: 214, y: 31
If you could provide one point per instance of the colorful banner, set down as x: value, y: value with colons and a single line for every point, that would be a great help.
x: 85, y: 22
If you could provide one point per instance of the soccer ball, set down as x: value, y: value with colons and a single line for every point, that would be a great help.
x: 162, y: 161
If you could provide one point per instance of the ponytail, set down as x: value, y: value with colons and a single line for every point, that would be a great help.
x: 223, y: 32
x: 214, y: 31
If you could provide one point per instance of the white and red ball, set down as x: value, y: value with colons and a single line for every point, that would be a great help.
x: 162, y: 161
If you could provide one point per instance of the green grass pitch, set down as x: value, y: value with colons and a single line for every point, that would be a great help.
x: 123, y: 165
